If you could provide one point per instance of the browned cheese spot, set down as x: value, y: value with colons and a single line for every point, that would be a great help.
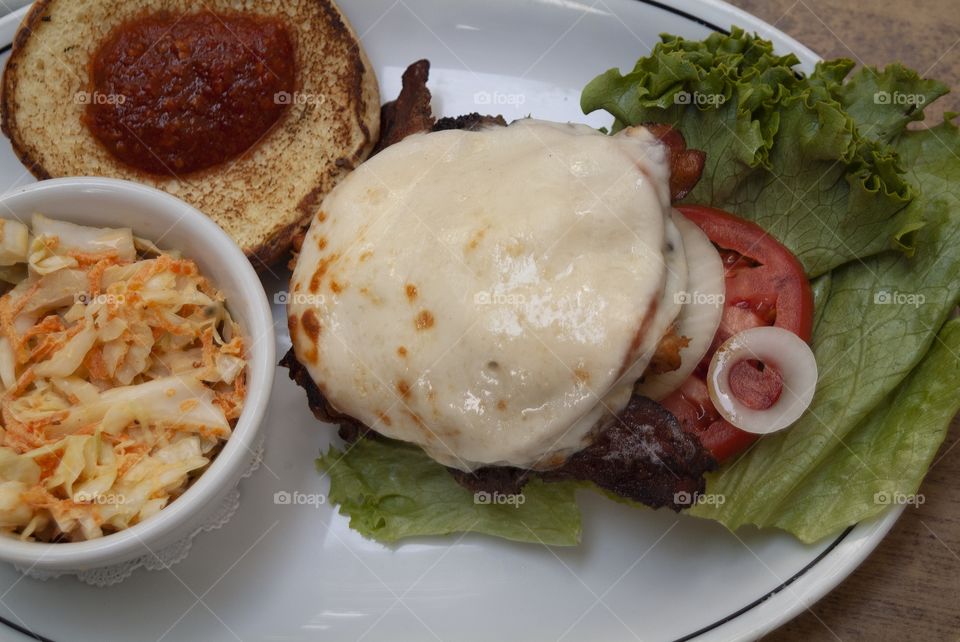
x: 475, y: 239
x: 424, y: 430
x: 515, y: 249
x: 321, y: 271
x: 311, y: 323
x: 424, y: 320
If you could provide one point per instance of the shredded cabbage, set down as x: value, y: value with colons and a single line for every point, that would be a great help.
x: 121, y: 375
x: 14, y: 242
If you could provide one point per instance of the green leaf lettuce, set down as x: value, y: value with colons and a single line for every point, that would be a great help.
x: 392, y: 490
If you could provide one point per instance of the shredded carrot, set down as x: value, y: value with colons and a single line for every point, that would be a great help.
x: 96, y: 365
x: 95, y: 275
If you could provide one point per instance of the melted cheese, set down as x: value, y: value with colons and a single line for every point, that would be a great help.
x: 489, y: 295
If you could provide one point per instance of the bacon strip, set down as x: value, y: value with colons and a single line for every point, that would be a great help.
x: 410, y: 113
x: 686, y: 165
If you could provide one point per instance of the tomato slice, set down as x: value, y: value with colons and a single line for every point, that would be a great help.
x: 765, y: 285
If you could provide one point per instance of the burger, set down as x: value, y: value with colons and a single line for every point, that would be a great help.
x: 513, y: 299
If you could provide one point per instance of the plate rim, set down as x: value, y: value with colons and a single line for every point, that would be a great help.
x: 844, y: 554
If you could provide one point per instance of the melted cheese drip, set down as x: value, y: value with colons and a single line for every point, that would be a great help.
x: 483, y: 294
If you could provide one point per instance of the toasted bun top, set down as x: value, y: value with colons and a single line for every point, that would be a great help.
x: 260, y: 198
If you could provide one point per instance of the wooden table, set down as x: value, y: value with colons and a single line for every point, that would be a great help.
x: 909, y: 589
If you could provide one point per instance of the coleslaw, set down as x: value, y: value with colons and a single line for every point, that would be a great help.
x: 122, y: 374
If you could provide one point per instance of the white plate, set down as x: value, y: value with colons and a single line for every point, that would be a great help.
x: 284, y: 572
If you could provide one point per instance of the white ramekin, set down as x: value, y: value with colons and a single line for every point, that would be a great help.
x: 171, y: 224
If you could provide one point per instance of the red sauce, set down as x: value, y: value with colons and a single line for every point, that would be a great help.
x: 173, y: 94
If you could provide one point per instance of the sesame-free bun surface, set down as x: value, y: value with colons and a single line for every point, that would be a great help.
x: 261, y: 198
